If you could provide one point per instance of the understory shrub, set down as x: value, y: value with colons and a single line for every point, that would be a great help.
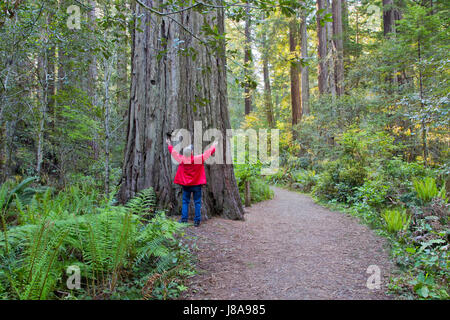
x: 304, y: 180
x: 259, y: 189
x: 339, y: 180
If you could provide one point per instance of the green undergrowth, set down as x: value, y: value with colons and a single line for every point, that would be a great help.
x: 119, y: 252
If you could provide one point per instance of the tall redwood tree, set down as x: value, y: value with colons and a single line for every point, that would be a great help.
x: 176, y: 79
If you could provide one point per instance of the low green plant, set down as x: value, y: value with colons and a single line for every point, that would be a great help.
x: 339, y: 180
x: 114, y: 247
x: 426, y: 189
x: 305, y: 180
x: 396, y: 220
x: 37, y: 273
x: 372, y: 192
x: 259, y: 189
x: 143, y: 204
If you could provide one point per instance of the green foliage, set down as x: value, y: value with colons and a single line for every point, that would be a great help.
x: 396, y: 220
x: 425, y: 287
x: 360, y: 146
x: 143, y: 203
x: 426, y: 189
x: 305, y: 180
x: 19, y: 191
x: 372, y: 193
x: 40, y: 270
x: 259, y: 189
x: 339, y: 180
x: 112, y: 245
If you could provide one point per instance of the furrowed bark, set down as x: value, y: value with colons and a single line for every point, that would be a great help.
x: 170, y: 89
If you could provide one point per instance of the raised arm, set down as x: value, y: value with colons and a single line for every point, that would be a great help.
x: 178, y: 158
x: 210, y: 151
x: 202, y: 158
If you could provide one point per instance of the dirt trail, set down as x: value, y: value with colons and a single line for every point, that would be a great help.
x: 288, y: 248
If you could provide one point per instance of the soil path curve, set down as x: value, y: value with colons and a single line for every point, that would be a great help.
x: 287, y: 248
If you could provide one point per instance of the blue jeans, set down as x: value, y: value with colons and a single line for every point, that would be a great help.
x: 197, y: 191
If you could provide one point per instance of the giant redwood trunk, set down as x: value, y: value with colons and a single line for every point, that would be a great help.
x: 171, y: 87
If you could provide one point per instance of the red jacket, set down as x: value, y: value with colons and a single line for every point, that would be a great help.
x: 191, y: 172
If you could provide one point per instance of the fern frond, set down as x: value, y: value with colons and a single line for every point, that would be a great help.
x: 143, y: 204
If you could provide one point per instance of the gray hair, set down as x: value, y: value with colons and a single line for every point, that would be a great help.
x: 187, y: 151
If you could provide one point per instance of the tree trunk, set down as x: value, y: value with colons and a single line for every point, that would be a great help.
x: 339, y: 45
x: 248, y: 200
x: 322, y: 48
x: 294, y: 74
x: 391, y: 14
x: 422, y: 106
x: 123, y: 59
x: 304, y: 69
x: 247, y: 61
x: 266, y: 74
x: 122, y: 76
x: 345, y: 32
x: 170, y: 91
x: 93, y: 77
x: 388, y: 17
x: 331, y: 53
x: 3, y: 149
x: 4, y: 123
x: 43, y: 104
x: 107, y: 108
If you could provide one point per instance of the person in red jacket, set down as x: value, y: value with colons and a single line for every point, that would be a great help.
x: 191, y: 176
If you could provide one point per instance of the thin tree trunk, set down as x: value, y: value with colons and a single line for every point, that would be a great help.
x: 93, y: 76
x: 107, y: 80
x: 388, y: 17
x: 247, y: 61
x: 357, y: 27
x: 331, y: 53
x: 338, y: 44
x: 345, y: 32
x: 3, y: 150
x: 304, y: 68
x: 322, y: 48
x: 166, y: 88
x: 248, y: 201
x: 123, y: 87
x: 3, y: 124
x: 266, y: 74
x: 294, y: 74
x: 43, y: 97
x: 422, y: 106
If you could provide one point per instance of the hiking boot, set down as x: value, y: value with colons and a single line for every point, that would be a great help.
x: 182, y: 221
x: 197, y: 223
